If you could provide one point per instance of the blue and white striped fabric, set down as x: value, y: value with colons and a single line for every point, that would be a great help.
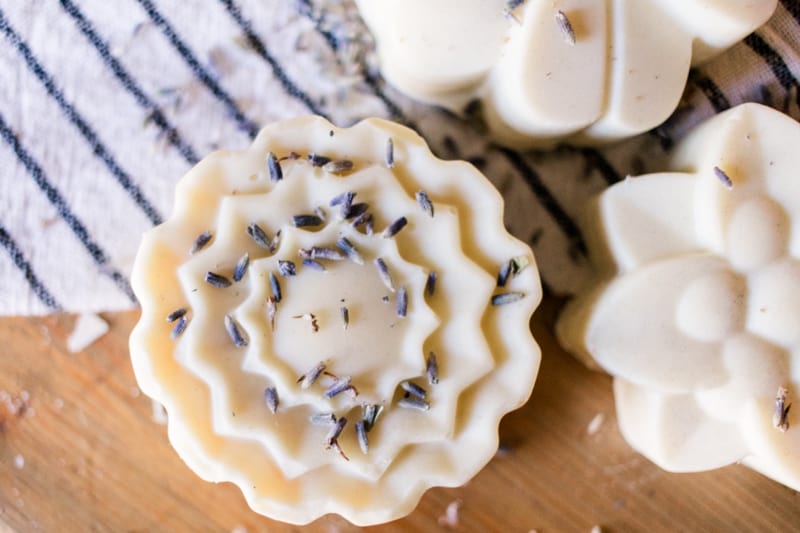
x: 104, y: 105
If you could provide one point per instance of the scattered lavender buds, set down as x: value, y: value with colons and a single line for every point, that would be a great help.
x: 723, y: 177
x: 565, y: 26
x: 310, y: 377
x: 176, y: 314
x: 383, y: 272
x: 349, y: 250
x: 217, y: 280
x: 318, y: 160
x: 402, y: 302
x: 504, y: 273
x: 425, y: 202
x: 180, y: 327
x: 361, y: 433
x: 432, y: 369
x: 345, y: 316
x: 275, y: 286
x: 318, y: 252
x: 259, y: 236
x: 311, y: 317
x: 414, y: 403
x: 274, y: 168
x: 316, y: 265
x: 271, y: 398
x: 286, y: 268
x: 365, y: 219
x: 200, y: 242
x: 340, y: 166
x: 780, y: 418
x: 272, y: 308
x: 394, y: 228
x: 507, y: 298
x: 241, y: 267
x: 370, y: 414
x: 413, y: 389
x: 389, y: 154
x: 338, y: 387
x: 430, y: 283
x: 273, y: 244
x: 232, y: 327
x: 304, y: 221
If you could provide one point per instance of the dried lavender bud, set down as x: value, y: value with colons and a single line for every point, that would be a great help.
x: 350, y: 251
x: 389, y: 154
x: 425, y: 202
x: 322, y: 419
x: 318, y: 160
x: 504, y: 273
x: 432, y: 369
x: 318, y: 252
x: 402, y: 302
x: 176, y: 314
x: 340, y: 166
x: 395, y: 227
x: 217, y: 280
x: 271, y: 399
x: 507, y: 298
x: 338, y: 387
x: 274, y: 168
x: 413, y: 389
x: 304, y: 221
x: 180, y: 327
x: 286, y: 268
x: 316, y: 265
x: 370, y: 414
x: 201, y: 241
x: 344, y: 199
x: 275, y: 286
x: 383, y: 272
x: 780, y: 417
x: 723, y: 177
x: 241, y: 267
x: 361, y: 434
x: 430, y: 283
x: 414, y: 403
x: 232, y: 327
x: 565, y: 26
x: 259, y: 236
x: 310, y: 377
x: 345, y: 316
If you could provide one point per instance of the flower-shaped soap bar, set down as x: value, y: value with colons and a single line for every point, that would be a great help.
x: 698, y: 318
x: 581, y: 70
x: 337, y: 337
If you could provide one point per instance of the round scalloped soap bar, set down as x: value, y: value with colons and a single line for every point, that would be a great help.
x: 324, y: 322
x: 584, y: 71
x: 697, y: 312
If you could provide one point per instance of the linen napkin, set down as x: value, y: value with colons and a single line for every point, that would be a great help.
x: 104, y: 105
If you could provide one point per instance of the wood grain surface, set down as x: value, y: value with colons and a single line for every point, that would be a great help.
x: 80, y: 451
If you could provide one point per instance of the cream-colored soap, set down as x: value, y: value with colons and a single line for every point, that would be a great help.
x: 696, y: 313
x: 581, y: 71
x: 238, y: 377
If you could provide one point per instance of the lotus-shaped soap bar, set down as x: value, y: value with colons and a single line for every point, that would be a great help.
x: 584, y: 71
x: 323, y: 320
x: 697, y: 313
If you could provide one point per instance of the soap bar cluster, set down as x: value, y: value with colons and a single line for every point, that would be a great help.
x: 697, y: 310
x: 581, y: 71
x: 335, y: 320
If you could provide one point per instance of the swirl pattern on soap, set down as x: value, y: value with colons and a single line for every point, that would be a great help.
x: 584, y: 71
x: 698, y: 319
x: 326, y: 279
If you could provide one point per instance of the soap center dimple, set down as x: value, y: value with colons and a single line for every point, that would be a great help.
x: 310, y: 324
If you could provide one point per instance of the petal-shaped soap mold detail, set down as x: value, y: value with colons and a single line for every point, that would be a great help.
x: 584, y: 71
x: 237, y: 382
x: 673, y: 431
x: 650, y: 303
x: 696, y: 304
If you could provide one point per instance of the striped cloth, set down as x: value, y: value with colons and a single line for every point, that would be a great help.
x: 104, y: 105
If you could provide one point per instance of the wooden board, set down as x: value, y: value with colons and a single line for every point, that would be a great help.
x: 84, y: 454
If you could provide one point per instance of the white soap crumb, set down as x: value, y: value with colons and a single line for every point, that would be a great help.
x: 159, y: 414
x: 596, y: 529
x: 450, y: 516
x: 19, y: 462
x: 596, y: 422
x: 239, y: 529
x: 88, y: 328
x: 58, y: 403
